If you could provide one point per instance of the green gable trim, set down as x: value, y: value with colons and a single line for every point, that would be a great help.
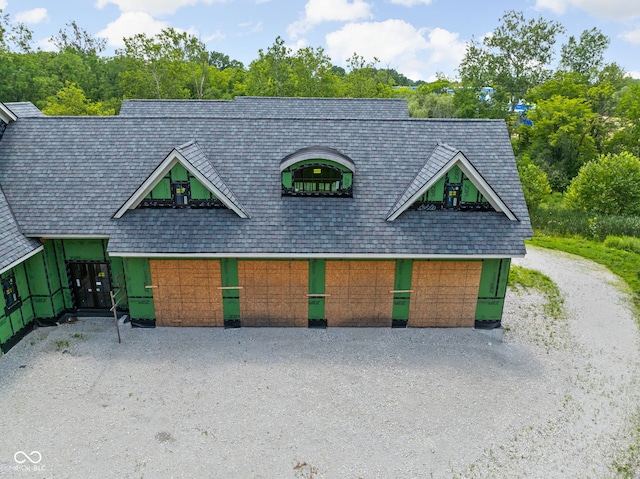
x: 163, y: 189
x: 454, y: 190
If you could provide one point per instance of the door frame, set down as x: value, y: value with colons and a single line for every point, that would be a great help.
x: 73, y: 287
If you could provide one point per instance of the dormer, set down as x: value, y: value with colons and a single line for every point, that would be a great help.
x: 317, y: 171
x: 184, y: 179
x: 449, y: 181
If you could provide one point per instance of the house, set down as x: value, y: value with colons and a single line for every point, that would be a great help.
x: 257, y: 212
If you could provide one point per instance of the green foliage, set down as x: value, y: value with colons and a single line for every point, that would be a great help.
x: 71, y: 101
x: 560, y: 140
x: 608, y: 185
x: 515, y: 58
x: 535, y: 183
x: 625, y: 243
x: 585, y: 56
x: 363, y: 81
x: 559, y: 221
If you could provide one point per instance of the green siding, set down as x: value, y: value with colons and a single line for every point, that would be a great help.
x: 138, y: 275
x: 347, y: 180
x: 141, y: 308
x: 287, y: 179
x: 317, y: 271
x: 436, y: 192
x: 162, y: 191
x: 84, y: 250
x: 179, y: 173
x: 118, y: 279
x: 455, y: 175
x: 493, y: 287
x: 198, y: 191
x: 489, y: 309
x: 37, y: 276
x: 404, y: 269
x: 230, y: 297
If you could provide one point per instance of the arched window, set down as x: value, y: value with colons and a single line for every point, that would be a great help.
x: 317, y: 172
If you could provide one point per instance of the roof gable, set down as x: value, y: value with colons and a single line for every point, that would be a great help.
x: 194, y: 160
x: 442, y: 160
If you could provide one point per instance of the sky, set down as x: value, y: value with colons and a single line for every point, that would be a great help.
x: 418, y: 38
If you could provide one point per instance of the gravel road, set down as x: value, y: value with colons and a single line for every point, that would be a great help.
x: 556, y: 399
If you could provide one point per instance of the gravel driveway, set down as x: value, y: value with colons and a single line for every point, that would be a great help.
x: 554, y: 400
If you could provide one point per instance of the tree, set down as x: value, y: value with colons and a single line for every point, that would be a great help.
x: 513, y: 59
x: 627, y: 135
x: 535, y: 183
x: 71, y: 101
x: 78, y: 40
x: 560, y: 140
x: 362, y: 80
x: 169, y: 65
x: 14, y: 36
x: 607, y: 185
x: 282, y: 72
x: 586, y: 56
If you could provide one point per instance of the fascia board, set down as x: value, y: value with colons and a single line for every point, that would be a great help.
x: 6, y: 114
x: 388, y: 256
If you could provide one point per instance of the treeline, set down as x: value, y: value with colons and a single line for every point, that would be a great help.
x: 562, y: 112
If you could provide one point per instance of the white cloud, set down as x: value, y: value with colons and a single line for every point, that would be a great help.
x: 411, y: 3
x: 632, y: 36
x: 128, y: 25
x: 320, y: 11
x: 3, y: 4
x: 611, y: 9
x: 153, y: 7
x: 399, y: 45
x: 35, y: 16
x: 635, y: 75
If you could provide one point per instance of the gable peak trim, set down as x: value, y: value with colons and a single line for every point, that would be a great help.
x: 317, y: 152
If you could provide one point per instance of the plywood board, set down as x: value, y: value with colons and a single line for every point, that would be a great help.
x: 445, y: 293
x: 274, y: 293
x: 359, y: 293
x: 187, y: 292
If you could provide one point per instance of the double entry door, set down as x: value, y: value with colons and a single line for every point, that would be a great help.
x: 91, y: 284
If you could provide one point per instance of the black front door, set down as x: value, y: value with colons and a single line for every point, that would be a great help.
x: 91, y: 283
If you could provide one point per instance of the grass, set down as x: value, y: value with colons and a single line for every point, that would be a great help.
x: 624, y: 264
x: 529, y: 278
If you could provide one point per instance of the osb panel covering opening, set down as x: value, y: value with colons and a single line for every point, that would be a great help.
x: 444, y: 294
x: 359, y: 293
x: 274, y: 293
x: 187, y: 292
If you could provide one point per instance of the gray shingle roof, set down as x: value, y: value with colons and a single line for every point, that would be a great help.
x: 441, y: 155
x: 270, y: 107
x: 24, y: 109
x: 13, y: 244
x: 66, y: 175
x: 192, y: 153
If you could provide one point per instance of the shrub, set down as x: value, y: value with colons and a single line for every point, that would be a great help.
x: 562, y: 222
x: 608, y: 185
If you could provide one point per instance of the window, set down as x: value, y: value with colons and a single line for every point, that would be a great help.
x: 455, y: 191
x: 10, y: 292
